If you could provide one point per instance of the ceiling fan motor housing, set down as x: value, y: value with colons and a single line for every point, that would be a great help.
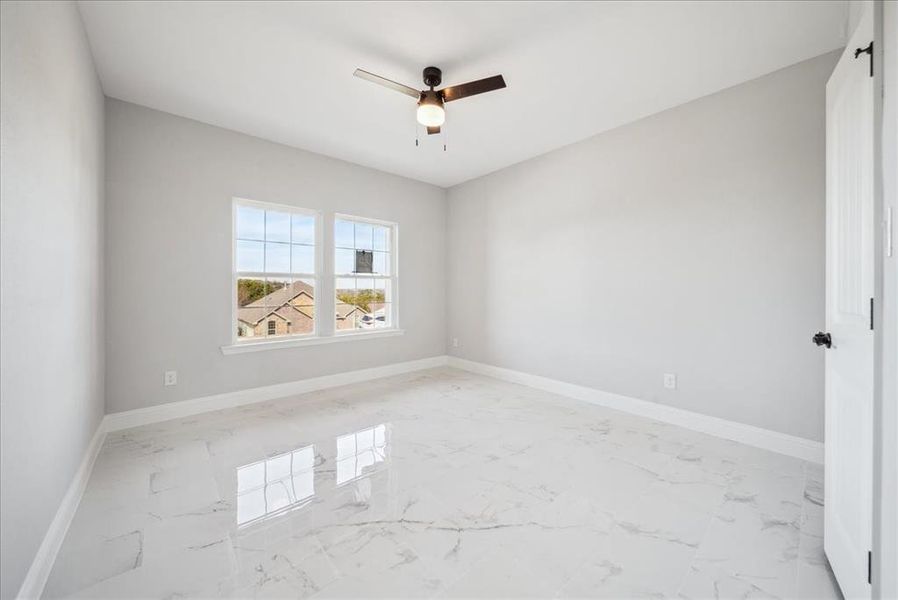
x: 431, y: 97
x: 432, y: 77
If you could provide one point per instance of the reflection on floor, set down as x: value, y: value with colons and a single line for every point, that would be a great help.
x: 271, y: 487
x: 440, y: 483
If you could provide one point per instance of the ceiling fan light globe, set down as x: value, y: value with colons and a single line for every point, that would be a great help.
x: 431, y: 115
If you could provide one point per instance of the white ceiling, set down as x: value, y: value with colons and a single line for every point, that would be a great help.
x: 283, y: 71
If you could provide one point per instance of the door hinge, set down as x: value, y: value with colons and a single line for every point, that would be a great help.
x: 870, y: 567
x: 871, y: 314
x: 867, y: 50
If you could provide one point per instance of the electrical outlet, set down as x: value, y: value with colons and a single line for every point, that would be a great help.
x: 670, y: 381
x: 455, y: 342
x: 171, y: 378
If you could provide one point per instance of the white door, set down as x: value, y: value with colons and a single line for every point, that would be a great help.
x: 849, y: 290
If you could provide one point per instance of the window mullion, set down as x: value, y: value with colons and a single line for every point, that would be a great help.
x: 325, y: 305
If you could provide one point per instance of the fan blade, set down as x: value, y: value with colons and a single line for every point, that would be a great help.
x: 388, y: 83
x: 432, y: 130
x: 457, y: 92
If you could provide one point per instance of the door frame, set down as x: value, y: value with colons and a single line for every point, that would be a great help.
x: 885, y: 310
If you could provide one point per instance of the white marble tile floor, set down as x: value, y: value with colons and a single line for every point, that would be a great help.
x: 440, y: 483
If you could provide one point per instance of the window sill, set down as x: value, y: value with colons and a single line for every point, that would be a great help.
x: 243, y: 347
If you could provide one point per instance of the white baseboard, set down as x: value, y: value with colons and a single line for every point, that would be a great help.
x: 731, y: 430
x: 739, y: 432
x: 39, y: 572
x: 187, y: 408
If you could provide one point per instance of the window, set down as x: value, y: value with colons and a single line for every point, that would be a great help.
x: 278, y: 264
x: 364, y: 274
x: 275, y: 270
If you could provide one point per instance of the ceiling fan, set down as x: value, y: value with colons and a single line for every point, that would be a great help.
x: 431, y: 113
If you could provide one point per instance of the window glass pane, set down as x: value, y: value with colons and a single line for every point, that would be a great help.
x: 277, y: 258
x: 345, y: 261
x: 299, y: 309
x: 379, y: 307
x: 303, y: 229
x: 345, y: 284
x: 343, y: 234
x: 381, y: 314
x: 366, y: 300
x: 250, y: 256
x: 250, y: 291
x: 303, y: 293
x: 381, y: 263
x: 277, y: 306
x: 383, y: 291
x: 277, y: 226
x: 303, y: 259
x: 255, y: 302
x: 250, y: 223
x: 345, y: 290
x: 348, y: 314
x: 364, y: 236
x: 381, y: 238
x: 276, y: 293
x: 364, y: 293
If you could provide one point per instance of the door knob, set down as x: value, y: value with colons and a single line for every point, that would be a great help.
x: 823, y: 339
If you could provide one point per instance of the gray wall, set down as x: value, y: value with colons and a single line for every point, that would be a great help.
x: 170, y: 182
x: 51, y: 290
x: 689, y: 242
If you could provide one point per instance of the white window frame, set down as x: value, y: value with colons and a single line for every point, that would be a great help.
x: 235, y: 274
x: 393, y: 277
x: 324, y: 331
